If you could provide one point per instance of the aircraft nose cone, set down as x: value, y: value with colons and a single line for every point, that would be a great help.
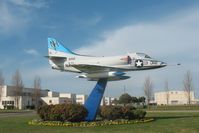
x: 163, y: 64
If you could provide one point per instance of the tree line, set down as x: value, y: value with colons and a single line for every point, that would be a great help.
x: 126, y: 99
x: 187, y: 85
x: 148, y: 91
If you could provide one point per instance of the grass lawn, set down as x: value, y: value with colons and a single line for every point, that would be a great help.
x: 165, y: 122
x: 174, y: 107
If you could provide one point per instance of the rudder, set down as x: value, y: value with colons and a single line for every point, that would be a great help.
x: 53, y: 44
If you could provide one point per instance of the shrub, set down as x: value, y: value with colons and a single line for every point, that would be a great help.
x: 139, y: 114
x: 111, y: 112
x: 76, y: 113
x: 125, y: 99
x: 44, y: 112
x: 118, y: 112
x: 62, y: 112
x: 9, y: 107
x: 57, y: 112
x: 30, y: 107
x: 128, y: 112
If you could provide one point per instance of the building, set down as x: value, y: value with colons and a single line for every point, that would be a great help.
x: 53, y: 98
x: 9, y: 100
x: 53, y: 94
x: 113, y: 100
x: 81, y: 99
x: 71, y: 96
x: 174, y: 98
x: 107, y: 101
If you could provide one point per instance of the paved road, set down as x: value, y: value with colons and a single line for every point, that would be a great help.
x: 10, y: 114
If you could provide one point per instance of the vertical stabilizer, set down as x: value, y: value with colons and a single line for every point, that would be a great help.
x: 55, y: 47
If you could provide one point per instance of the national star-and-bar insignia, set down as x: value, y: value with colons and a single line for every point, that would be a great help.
x: 139, y: 63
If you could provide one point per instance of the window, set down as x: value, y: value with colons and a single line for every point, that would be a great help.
x: 79, y: 98
x: 174, y: 102
x: 146, y: 56
x: 7, y: 102
x: 142, y: 55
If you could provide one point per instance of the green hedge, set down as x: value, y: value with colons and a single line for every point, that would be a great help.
x: 77, y: 113
x: 119, y: 112
x: 111, y: 112
x: 62, y: 112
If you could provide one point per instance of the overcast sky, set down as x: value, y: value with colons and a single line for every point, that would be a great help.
x: 166, y: 30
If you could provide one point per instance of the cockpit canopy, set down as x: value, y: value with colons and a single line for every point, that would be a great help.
x: 142, y: 55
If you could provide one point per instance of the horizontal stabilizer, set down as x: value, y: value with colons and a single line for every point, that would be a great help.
x: 56, y: 57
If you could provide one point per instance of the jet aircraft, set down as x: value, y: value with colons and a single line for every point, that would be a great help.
x: 94, y: 68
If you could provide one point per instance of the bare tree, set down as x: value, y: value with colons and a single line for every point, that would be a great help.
x: 37, y: 90
x: 148, y: 89
x: 17, y: 87
x: 166, y: 88
x: 1, y: 84
x: 188, y: 85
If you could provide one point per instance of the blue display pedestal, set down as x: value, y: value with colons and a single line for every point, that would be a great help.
x: 92, y: 103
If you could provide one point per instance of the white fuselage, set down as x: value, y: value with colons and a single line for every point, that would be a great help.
x: 95, y: 68
x: 123, y: 62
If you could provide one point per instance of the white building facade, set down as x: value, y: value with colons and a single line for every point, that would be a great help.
x: 70, y: 96
x: 9, y: 100
x: 81, y: 99
x: 107, y: 101
x: 53, y: 98
x: 174, y: 98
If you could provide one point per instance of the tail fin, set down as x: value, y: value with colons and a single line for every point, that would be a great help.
x: 56, y: 46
